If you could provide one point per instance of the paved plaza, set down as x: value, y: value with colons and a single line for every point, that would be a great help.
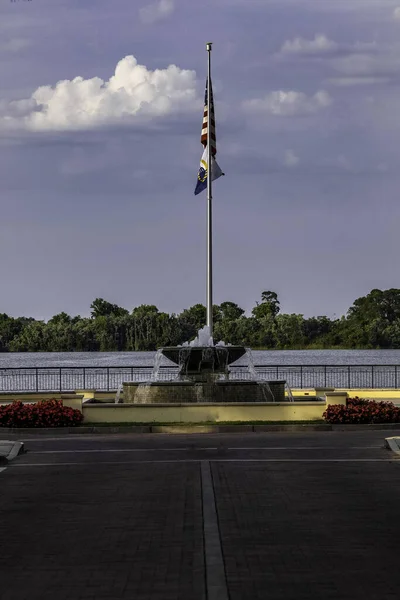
x: 277, y: 516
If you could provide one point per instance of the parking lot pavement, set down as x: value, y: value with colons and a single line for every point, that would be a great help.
x: 93, y: 531
x: 329, y: 439
x: 309, y: 530
x: 294, y: 515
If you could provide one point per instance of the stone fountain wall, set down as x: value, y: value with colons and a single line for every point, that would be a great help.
x: 172, y: 392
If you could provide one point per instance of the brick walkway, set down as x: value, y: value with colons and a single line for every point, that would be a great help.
x: 301, y: 531
x: 305, y: 516
x: 77, y: 533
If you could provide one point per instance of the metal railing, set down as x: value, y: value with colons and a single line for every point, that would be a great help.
x: 67, y: 379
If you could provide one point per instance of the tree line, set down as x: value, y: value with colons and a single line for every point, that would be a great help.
x: 373, y: 321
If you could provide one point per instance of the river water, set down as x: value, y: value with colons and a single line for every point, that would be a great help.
x: 143, y: 359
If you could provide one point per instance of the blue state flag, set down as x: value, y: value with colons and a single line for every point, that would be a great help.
x: 203, y: 172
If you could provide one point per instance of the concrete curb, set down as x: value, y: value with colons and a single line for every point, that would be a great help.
x: 193, y: 429
x: 308, y: 427
x: 171, y: 429
x: 366, y: 427
x: 184, y: 429
x: 16, y: 449
x: 393, y: 444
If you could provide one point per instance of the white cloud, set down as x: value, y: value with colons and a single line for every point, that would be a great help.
x: 289, y: 103
x: 133, y: 93
x: 322, y: 47
x: 319, y: 45
x: 396, y: 13
x: 291, y: 160
x: 157, y: 11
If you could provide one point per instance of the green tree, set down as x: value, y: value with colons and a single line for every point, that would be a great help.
x: 369, y: 318
x: 60, y: 318
x: 373, y: 321
x: 151, y: 328
x: 248, y: 331
x: 377, y: 304
x: 85, y: 335
x: 317, y: 331
x: 290, y: 331
x: 32, y: 338
x: 195, y: 316
x: 392, y: 335
x: 10, y: 328
x: 230, y: 311
x: 269, y: 306
x: 102, y: 308
x: 105, y: 333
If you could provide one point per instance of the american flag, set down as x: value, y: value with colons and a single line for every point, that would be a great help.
x: 205, y: 121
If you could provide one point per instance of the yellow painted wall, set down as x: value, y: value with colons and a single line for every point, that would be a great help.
x: 71, y: 400
x: 336, y: 397
x: 377, y: 394
x: 28, y: 397
x: 88, y: 394
x: 199, y: 413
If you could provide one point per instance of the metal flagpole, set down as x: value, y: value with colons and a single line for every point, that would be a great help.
x: 209, y: 200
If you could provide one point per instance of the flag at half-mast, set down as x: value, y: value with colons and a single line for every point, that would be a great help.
x: 208, y: 121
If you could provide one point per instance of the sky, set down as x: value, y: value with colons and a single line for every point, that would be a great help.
x: 101, y: 105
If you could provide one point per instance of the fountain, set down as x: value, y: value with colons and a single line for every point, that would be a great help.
x: 118, y: 399
x: 204, y: 375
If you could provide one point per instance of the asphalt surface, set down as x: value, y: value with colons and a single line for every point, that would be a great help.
x: 272, y: 516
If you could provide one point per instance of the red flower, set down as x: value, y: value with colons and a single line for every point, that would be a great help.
x: 46, y: 413
x: 362, y: 411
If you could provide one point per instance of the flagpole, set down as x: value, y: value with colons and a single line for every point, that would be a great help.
x: 209, y: 200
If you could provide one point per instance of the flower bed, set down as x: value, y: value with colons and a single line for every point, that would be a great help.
x: 362, y: 411
x: 45, y: 413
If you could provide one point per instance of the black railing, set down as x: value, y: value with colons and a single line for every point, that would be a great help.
x: 67, y: 379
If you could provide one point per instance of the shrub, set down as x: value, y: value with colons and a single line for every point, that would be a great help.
x: 362, y: 411
x: 46, y: 413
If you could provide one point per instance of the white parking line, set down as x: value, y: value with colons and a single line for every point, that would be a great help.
x: 194, y: 448
x: 84, y: 438
x: 2, y: 469
x: 198, y: 460
x: 116, y: 450
x: 304, y: 447
x: 214, y: 562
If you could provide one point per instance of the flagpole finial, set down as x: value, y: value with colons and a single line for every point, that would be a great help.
x: 209, y: 46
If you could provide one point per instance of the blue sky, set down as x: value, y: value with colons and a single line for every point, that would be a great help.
x: 100, y: 118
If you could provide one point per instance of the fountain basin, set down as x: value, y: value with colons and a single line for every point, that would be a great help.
x: 194, y: 360
x: 175, y: 392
